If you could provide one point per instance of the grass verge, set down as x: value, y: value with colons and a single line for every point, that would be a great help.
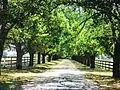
x: 101, y: 76
x: 11, y: 79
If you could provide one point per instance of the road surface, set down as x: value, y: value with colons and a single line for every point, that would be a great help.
x: 64, y: 76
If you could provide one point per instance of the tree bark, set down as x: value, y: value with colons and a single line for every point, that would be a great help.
x: 3, y: 30
x: 88, y: 61
x: 1, y: 47
x: 19, y: 56
x: 31, y: 58
x: 49, y: 57
x: 116, y: 60
x: 2, y: 41
x: 39, y: 57
x: 3, y: 23
x: 92, y: 61
x: 43, y: 58
x: 55, y: 57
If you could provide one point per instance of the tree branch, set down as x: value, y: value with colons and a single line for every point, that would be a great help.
x: 84, y: 22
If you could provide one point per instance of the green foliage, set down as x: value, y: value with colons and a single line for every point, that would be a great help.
x: 51, y: 27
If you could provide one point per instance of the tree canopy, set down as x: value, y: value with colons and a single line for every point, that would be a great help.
x: 62, y: 27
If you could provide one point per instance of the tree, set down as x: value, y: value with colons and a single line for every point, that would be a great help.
x: 107, y: 10
x: 13, y: 13
x: 33, y: 29
x: 3, y: 23
x: 17, y: 37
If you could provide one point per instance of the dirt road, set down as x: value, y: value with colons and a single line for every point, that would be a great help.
x: 64, y: 76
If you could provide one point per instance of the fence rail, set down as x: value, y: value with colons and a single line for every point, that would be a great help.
x: 108, y: 65
x: 10, y: 62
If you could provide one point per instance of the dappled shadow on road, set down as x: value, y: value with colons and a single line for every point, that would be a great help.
x: 4, y: 86
x: 64, y: 76
x: 106, y: 82
x: 12, y: 79
x: 63, y: 82
x: 9, y: 83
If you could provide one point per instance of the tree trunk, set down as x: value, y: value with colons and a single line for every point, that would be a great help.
x: 19, y: 56
x: 1, y: 47
x: 31, y: 59
x: 43, y: 58
x: 49, y: 57
x: 19, y: 61
x: 55, y: 57
x: 116, y: 60
x: 88, y: 61
x: 2, y: 41
x: 39, y: 57
x: 92, y: 61
x: 3, y: 23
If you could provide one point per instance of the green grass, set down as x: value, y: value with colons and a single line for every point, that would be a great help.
x: 38, y: 68
x: 11, y: 79
x: 106, y: 82
x: 8, y: 82
x: 101, y: 76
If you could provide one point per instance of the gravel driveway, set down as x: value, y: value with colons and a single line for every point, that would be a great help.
x: 64, y: 76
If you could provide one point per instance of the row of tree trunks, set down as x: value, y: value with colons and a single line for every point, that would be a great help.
x: 39, y: 57
x: 31, y: 63
x: 88, y: 60
x: 43, y: 58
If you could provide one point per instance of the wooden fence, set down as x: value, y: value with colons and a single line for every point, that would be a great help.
x: 10, y: 62
x: 108, y: 65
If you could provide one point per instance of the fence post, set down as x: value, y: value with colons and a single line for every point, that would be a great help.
x: 102, y: 64
x: 4, y: 62
x: 11, y: 61
x: 105, y: 65
x: 24, y: 60
x: 109, y: 65
x: 27, y: 61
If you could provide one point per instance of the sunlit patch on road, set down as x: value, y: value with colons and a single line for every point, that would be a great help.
x: 68, y: 78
